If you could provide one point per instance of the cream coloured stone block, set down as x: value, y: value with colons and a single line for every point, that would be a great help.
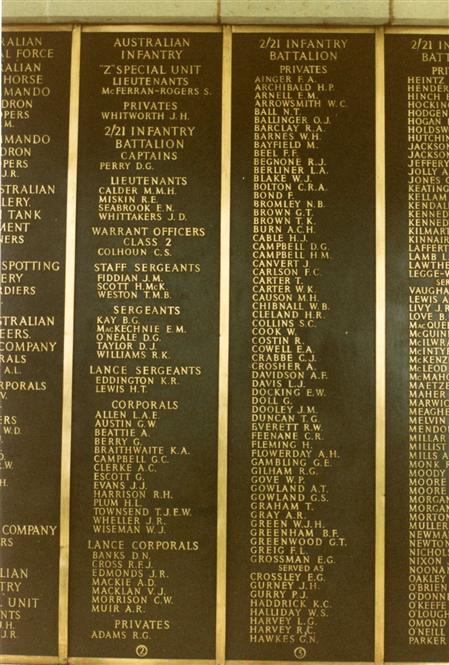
x: 366, y: 12
x: 20, y: 11
x: 149, y: 11
x: 420, y: 12
x: 115, y: 11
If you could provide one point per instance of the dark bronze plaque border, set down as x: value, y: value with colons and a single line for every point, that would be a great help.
x: 67, y: 342
x: 222, y: 377
x: 399, y: 30
x: 379, y: 499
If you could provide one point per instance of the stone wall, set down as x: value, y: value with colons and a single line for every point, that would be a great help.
x: 299, y: 12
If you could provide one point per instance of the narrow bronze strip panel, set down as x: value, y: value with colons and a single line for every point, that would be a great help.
x: 38, y: 27
x: 151, y: 27
x: 29, y: 660
x: 299, y: 29
x: 144, y: 661
x: 391, y: 30
x: 302, y: 662
x: 380, y: 351
x: 224, y: 345
x: 68, y: 345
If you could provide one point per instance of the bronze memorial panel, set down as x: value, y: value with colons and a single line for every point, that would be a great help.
x: 144, y: 446
x: 207, y: 521
x: 301, y: 423
x: 35, y: 78
x: 417, y: 186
